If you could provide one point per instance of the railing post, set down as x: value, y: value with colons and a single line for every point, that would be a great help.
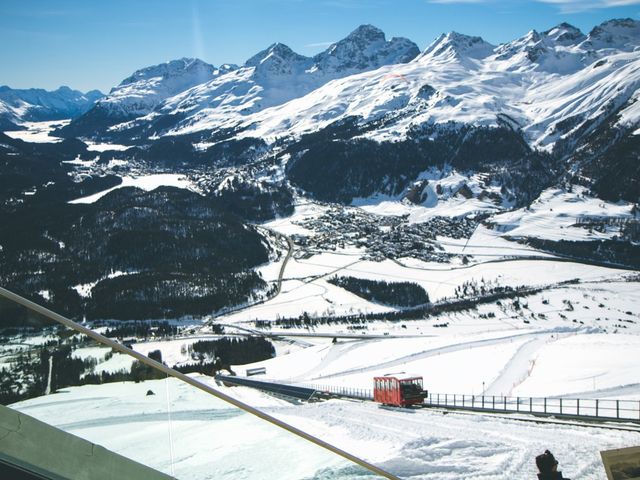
x: 463, y: 395
x: 617, y: 408
x: 482, y: 400
x: 560, y: 406
x: 454, y: 399
x: 597, y: 402
x: 545, y: 404
x: 493, y: 402
x: 473, y: 401
x: 505, y: 403
x: 578, y: 400
x: 518, y: 404
x: 530, y: 405
x: 446, y: 399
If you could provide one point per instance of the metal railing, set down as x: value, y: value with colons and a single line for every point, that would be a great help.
x: 582, y: 408
x: 351, y: 392
x: 586, y: 408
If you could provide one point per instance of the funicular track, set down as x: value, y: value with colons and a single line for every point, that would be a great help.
x: 451, y: 404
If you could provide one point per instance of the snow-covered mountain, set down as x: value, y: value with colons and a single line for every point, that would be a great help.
x: 36, y: 104
x: 553, y: 105
x: 538, y: 82
x: 364, y: 49
x: 160, y: 102
x: 141, y: 92
x: 561, y: 95
x: 148, y: 87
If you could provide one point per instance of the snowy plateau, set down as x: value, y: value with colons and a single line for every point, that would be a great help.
x: 468, y: 213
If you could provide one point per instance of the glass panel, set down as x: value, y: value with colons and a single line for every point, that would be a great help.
x: 68, y: 380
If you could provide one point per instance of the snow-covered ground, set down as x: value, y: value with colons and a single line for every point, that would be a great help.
x: 182, y: 431
x: 579, y: 340
x: 491, y: 258
x: 102, y: 147
x: 305, y: 287
x: 145, y: 182
x: 185, y: 432
x: 575, y: 340
x: 556, y: 215
x: 38, y: 132
x: 448, y: 203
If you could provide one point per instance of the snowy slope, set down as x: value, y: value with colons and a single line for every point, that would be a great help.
x: 552, y: 86
x: 182, y: 431
x: 277, y: 75
x: 146, y: 88
x: 547, y: 84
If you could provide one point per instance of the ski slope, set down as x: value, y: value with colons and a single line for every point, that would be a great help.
x: 183, y: 432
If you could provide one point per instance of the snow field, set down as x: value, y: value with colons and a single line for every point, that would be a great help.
x: 144, y: 182
x: 305, y: 288
x: 192, y: 435
x: 555, y: 213
x: 103, y: 147
x: 428, y: 445
x: 596, y: 366
x: 448, y: 204
x: 38, y: 132
x: 213, y: 440
x: 448, y: 364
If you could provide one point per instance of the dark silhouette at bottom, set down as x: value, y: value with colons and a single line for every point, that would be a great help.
x: 548, y: 467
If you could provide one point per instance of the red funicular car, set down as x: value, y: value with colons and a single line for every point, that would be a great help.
x: 399, y: 389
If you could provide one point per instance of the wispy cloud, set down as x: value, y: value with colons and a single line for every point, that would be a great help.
x: 565, y: 6
x: 319, y: 44
x: 198, y: 39
x: 573, y: 6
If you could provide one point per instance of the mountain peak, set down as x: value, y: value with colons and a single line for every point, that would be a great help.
x: 365, y: 48
x: 457, y: 45
x: 367, y: 32
x: 278, y: 59
x: 94, y: 94
x: 616, y: 24
x: 179, y: 67
x: 615, y: 33
x: 532, y: 45
x: 281, y: 49
x: 564, y: 33
x: 146, y: 88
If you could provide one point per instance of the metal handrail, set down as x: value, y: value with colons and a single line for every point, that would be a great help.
x: 34, y: 307
x: 587, y: 408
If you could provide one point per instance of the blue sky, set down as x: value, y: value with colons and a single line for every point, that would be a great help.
x: 95, y: 44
